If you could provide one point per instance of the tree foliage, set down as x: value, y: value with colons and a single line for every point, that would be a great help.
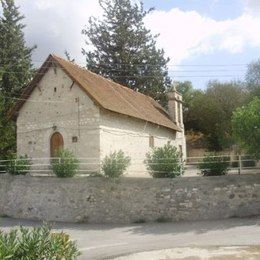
x: 124, y: 50
x: 7, y: 132
x: 189, y: 96
x: 15, y: 56
x: 253, y: 78
x: 15, y: 68
x: 246, y: 127
x: 210, y: 111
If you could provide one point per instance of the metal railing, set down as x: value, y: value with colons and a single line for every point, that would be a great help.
x: 236, y: 164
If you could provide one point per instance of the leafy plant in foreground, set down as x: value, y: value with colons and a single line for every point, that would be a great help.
x: 37, y: 243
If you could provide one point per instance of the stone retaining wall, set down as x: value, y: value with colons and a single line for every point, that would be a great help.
x: 128, y: 200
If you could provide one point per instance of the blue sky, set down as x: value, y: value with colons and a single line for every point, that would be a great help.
x: 218, y: 9
x: 197, y: 35
x: 193, y: 66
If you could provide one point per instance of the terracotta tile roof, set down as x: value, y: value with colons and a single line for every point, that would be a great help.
x: 107, y: 94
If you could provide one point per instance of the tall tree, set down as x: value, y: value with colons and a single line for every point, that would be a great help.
x: 253, y: 78
x: 124, y: 50
x: 246, y: 127
x: 189, y: 96
x: 210, y: 112
x: 15, y: 56
x: 7, y: 132
x: 15, y: 68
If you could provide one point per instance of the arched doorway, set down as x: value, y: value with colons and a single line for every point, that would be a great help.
x: 56, y: 143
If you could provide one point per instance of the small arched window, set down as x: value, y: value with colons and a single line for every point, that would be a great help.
x: 151, y: 141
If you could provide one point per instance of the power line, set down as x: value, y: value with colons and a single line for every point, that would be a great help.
x: 154, y: 76
x: 145, y: 76
x: 131, y: 70
x: 148, y: 76
x: 125, y: 76
x: 180, y: 71
x: 176, y: 76
x: 150, y: 64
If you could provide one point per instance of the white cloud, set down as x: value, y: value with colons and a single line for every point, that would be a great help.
x: 44, y: 4
x: 55, y: 25
x: 252, y: 6
x: 184, y: 34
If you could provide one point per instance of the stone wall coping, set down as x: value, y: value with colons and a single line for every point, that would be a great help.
x: 226, y: 178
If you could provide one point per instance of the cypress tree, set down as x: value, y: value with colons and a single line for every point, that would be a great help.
x: 15, y: 57
x: 16, y: 69
x: 122, y: 49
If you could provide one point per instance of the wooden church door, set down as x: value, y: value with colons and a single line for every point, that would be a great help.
x: 56, y: 143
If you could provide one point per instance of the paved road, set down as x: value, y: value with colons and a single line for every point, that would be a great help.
x: 199, y: 253
x: 108, y: 241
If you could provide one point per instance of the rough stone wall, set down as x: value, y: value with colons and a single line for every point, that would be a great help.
x: 131, y: 136
x: 56, y: 102
x: 99, y: 200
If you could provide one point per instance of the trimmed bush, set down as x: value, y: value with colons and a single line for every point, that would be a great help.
x: 18, y: 165
x: 66, y: 165
x: 115, y: 164
x: 213, y: 165
x: 36, y: 243
x: 164, y: 162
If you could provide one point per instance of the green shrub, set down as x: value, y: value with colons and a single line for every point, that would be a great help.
x: 212, y: 165
x: 36, y: 243
x: 66, y: 165
x: 115, y: 164
x: 164, y: 162
x: 18, y: 165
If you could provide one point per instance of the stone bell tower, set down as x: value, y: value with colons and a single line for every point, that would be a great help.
x: 175, y: 108
x: 175, y: 111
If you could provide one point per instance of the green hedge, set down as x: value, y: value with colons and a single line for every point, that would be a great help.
x: 66, y: 165
x: 164, y: 162
x: 115, y: 164
x: 213, y: 165
x: 18, y: 165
